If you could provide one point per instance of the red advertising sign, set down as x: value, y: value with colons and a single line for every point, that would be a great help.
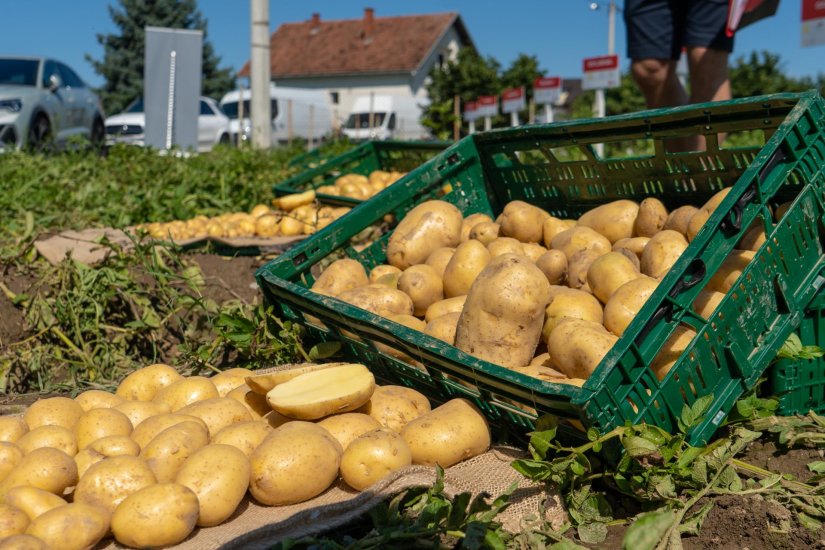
x: 813, y: 22
x: 470, y: 110
x: 513, y: 100
x: 547, y: 89
x: 601, y: 72
x: 487, y: 105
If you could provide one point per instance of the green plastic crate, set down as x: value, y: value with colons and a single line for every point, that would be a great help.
x: 733, y: 348
x: 402, y: 156
x: 800, y: 385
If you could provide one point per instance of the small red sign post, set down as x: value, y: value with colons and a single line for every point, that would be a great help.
x: 513, y: 100
x: 487, y: 108
x: 471, y: 114
x: 547, y: 91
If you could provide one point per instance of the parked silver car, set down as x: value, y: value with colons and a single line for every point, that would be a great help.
x: 44, y: 102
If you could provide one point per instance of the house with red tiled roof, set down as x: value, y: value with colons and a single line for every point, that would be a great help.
x: 355, y: 57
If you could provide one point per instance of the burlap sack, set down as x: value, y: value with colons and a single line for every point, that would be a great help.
x: 254, y: 526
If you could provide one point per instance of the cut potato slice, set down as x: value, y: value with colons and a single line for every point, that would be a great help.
x: 262, y: 383
x: 320, y: 393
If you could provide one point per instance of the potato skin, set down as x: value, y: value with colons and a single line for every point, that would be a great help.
x: 430, y: 225
x: 448, y: 434
x: 380, y: 270
x: 626, y: 302
x: 97, y: 399
x: 49, y: 469
x: 12, y: 428
x: 570, y: 303
x: 661, y: 252
x: 57, y: 437
x: 295, y: 463
x: 609, y: 272
x: 254, y: 402
x: 697, y: 221
x: 505, y: 245
x: 502, y: 318
x: 54, y: 411
x: 156, y: 516
x: 98, y: 423
x: 13, y: 521
x: 522, y: 221
x: 449, y: 305
x: 219, y: 476
x: 245, y: 436
x: 73, y: 527
x: 486, y: 232
x: 679, y: 219
x: 636, y: 245
x: 218, y: 413
x: 33, y: 501
x: 186, y: 391
x: 138, y: 411
x: 167, y: 452
x: 730, y: 270
x: 227, y: 380
x: 107, y: 483
x: 423, y: 285
x: 579, y: 265
x: 151, y: 427
x: 470, y: 222
x: 577, y: 347
x: 438, y: 259
x: 553, y: 226
x: 671, y: 351
x: 706, y: 302
x: 379, y: 299
x: 469, y: 260
x: 144, y: 384
x: 395, y: 406
x: 576, y: 239
x: 650, y: 218
x: 349, y: 426
x: 10, y: 456
x: 340, y: 276
x: 614, y: 220
x: 372, y: 457
x: 444, y: 327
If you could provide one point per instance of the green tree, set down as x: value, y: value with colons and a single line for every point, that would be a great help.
x: 469, y: 76
x: 123, y: 51
x: 764, y: 73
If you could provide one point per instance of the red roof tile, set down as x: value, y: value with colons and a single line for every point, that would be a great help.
x: 320, y: 48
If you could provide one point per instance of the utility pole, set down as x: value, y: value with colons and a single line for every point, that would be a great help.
x: 261, y: 114
x: 601, y: 107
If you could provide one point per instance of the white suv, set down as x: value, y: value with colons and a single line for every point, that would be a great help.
x: 128, y: 126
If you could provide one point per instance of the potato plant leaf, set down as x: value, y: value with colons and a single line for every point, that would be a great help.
x: 648, y: 530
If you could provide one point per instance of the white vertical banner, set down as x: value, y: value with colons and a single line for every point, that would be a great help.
x: 813, y: 22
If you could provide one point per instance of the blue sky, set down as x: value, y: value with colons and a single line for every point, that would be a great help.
x: 559, y: 32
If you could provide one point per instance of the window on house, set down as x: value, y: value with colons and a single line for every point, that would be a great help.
x: 334, y: 97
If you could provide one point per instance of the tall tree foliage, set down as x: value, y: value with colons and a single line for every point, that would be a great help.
x: 123, y: 51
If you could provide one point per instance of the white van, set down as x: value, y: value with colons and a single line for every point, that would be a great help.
x: 306, y: 111
x: 392, y: 117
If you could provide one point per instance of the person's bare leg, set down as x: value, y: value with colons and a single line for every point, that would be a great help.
x: 661, y: 87
x: 709, y: 79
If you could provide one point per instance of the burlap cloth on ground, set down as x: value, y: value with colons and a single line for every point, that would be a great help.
x: 255, y: 526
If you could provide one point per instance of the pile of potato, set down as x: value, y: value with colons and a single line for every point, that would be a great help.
x: 165, y: 453
x: 292, y: 215
x: 544, y: 296
x: 357, y: 186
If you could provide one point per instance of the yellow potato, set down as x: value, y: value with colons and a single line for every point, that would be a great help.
x: 293, y: 201
x: 534, y: 251
x: 156, y: 516
x: 138, y: 411
x: 662, y: 252
x: 485, y: 232
x: 219, y: 476
x: 372, y: 457
x: 12, y: 428
x: 423, y: 285
x: 635, y: 245
x: 289, y: 226
x: 115, y: 445
x: 443, y: 307
x: 730, y: 270
x: 522, y: 221
x: 22, y: 542
x: 439, y: 258
x: 167, y: 452
x: 244, y: 436
x: 13, y: 521
x: 651, y: 218
x: 97, y: 399
x: 430, y: 225
x: 453, y: 432
x: 98, y: 423
x: 107, y: 483
x: 697, y: 221
x: 553, y: 226
x: 754, y: 237
x: 340, y: 276
x: 217, y: 413
x: 254, y: 402
x: 349, y: 426
x: 317, y: 394
x: 444, y: 327
x: 268, y: 225
x: 186, y: 391
x: 782, y: 209
x: 614, y: 220
x: 707, y: 301
x: 379, y: 299
x: 10, y: 456
x: 578, y: 266
x: 296, y: 462
x: 380, y: 270
x: 259, y: 210
x: 56, y: 437
x: 671, y: 351
x: 570, y: 303
x: 626, y: 302
x: 144, y: 384
x: 274, y: 419
x: 470, y: 259
x: 573, y: 240
x: 151, y: 427
x: 395, y: 406
x: 471, y: 221
x: 609, y: 272
x: 228, y: 380
x: 577, y: 347
x: 505, y: 245
x: 679, y: 219
x: 262, y: 383
x: 553, y: 264
x: 49, y: 469
x: 54, y: 411
x: 32, y: 501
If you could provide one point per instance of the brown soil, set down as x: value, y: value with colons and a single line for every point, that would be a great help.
x: 229, y: 278
x: 11, y: 318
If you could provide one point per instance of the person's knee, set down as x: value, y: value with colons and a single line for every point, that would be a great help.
x: 650, y: 73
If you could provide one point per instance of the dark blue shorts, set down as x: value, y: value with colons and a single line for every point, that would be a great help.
x: 659, y: 29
